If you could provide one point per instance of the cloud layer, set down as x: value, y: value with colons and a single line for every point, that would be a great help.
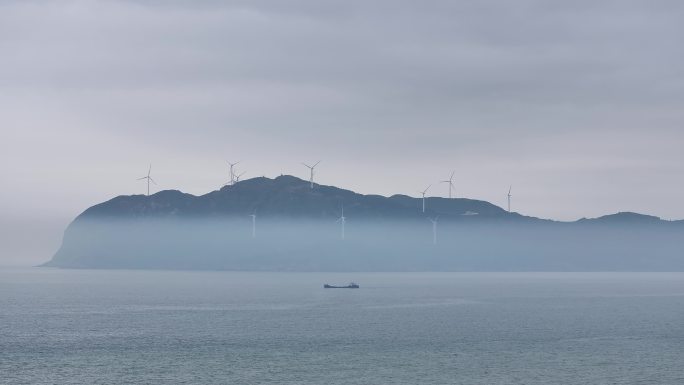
x: 577, y: 104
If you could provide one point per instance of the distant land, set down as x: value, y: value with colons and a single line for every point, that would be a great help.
x: 297, y: 228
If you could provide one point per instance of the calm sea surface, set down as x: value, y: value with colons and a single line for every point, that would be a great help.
x: 154, y: 327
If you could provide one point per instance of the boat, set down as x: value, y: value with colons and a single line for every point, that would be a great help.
x: 351, y: 285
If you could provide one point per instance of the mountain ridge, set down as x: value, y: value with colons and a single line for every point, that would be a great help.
x: 290, y: 197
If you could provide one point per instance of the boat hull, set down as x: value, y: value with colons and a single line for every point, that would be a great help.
x: 350, y: 286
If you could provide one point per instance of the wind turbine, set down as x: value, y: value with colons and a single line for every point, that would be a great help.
x: 232, y: 172
x: 311, y: 168
x: 149, y: 179
x: 253, y: 215
x: 342, y: 219
x: 509, y: 198
x: 451, y: 182
x: 237, y: 177
x: 434, y: 229
x: 423, y: 192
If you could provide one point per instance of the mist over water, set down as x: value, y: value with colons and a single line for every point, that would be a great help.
x: 368, y: 245
x: 144, y: 326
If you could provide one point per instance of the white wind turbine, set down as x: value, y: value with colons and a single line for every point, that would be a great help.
x: 232, y: 172
x: 424, y: 192
x: 253, y: 215
x: 451, y: 182
x: 149, y: 179
x: 342, y: 219
x: 434, y: 229
x: 311, y: 168
x: 509, y: 198
x: 237, y: 177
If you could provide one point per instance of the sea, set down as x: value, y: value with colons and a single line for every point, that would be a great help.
x: 198, y: 327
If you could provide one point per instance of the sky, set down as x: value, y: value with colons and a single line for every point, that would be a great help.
x: 576, y: 104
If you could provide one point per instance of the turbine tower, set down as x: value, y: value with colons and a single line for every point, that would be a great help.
x: 509, y: 198
x: 232, y: 172
x: 451, y: 182
x: 149, y: 179
x: 423, y: 192
x: 342, y: 219
x: 253, y: 215
x: 311, y: 168
x: 434, y: 229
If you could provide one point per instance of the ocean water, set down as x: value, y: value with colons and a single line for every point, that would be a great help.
x: 167, y: 327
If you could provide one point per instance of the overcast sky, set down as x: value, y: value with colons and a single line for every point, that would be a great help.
x: 577, y: 104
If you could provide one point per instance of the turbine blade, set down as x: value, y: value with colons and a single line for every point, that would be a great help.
x: 316, y: 163
x: 142, y: 178
x: 152, y: 180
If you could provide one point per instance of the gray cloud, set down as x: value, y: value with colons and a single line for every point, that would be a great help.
x: 578, y: 104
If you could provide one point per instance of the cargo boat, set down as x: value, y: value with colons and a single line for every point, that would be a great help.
x: 351, y: 285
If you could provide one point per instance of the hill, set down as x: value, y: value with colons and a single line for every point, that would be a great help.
x: 297, y: 228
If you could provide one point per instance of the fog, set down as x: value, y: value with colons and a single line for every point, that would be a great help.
x: 577, y: 104
x: 302, y: 245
